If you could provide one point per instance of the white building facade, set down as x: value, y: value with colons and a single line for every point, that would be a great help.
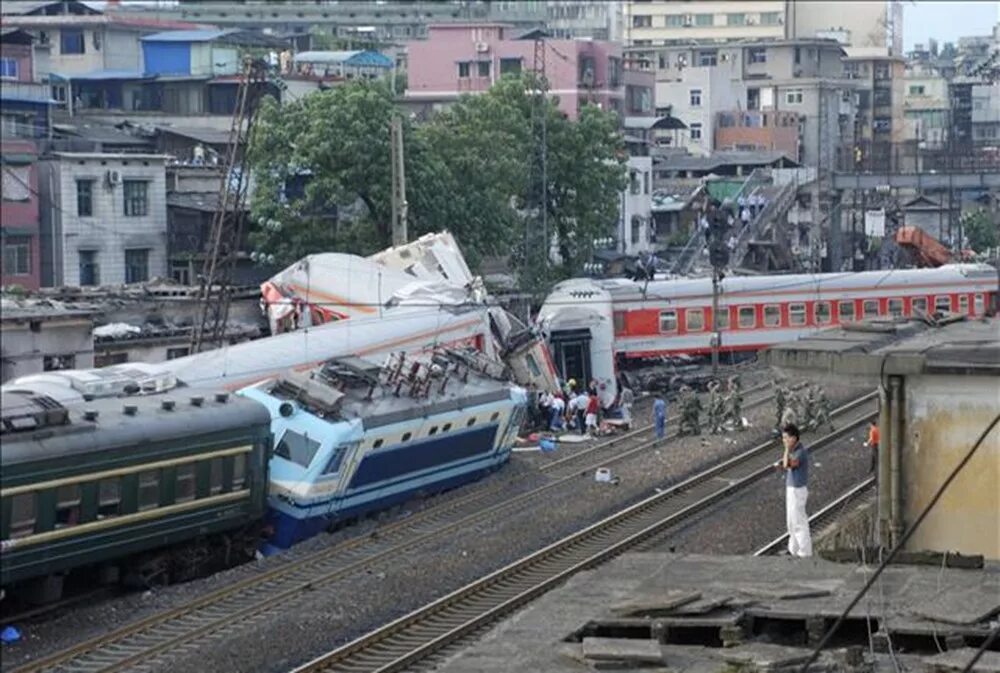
x: 106, y: 222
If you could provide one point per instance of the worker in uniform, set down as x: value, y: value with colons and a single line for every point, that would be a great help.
x: 780, y: 401
x: 872, y: 443
x: 735, y: 403
x: 716, y: 408
x: 790, y: 416
x: 821, y: 409
x: 808, y: 418
x: 660, y: 416
x: 690, y: 412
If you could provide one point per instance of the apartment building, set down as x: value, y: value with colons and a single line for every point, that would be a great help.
x: 925, y: 104
x: 26, y: 102
x: 879, y: 80
x: 986, y: 114
x: 459, y: 59
x: 593, y: 19
x: 19, y: 216
x: 104, y: 218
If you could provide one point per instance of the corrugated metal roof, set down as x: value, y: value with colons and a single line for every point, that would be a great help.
x: 209, y: 136
x: 188, y: 35
x: 100, y: 75
x: 359, y: 58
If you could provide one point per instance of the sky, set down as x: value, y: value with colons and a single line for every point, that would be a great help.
x: 947, y: 21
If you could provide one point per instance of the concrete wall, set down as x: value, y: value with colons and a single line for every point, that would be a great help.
x: 863, y: 21
x: 718, y: 92
x: 636, y: 203
x: 26, y: 343
x: 944, y: 416
x: 660, y: 27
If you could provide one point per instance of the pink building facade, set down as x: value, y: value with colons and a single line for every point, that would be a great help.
x: 457, y: 59
x: 19, y: 215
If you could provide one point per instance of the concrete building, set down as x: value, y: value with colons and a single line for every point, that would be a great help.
x: 340, y: 66
x: 938, y: 390
x: 25, y: 103
x: 594, y: 19
x: 457, y: 59
x: 635, y: 210
x: 42, y: 336
x: 694, y: 95
x: 105, y: 221
x: 925, y: 104
x: 855, y: 23
x: 879, y: 81
x: 19, y: 216
x: 986, y: 114
x: 362, y: 23
x: 749, y: 131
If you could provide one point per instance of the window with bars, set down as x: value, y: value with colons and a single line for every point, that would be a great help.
x: 136, y: 194
x: 137, y: 265
x: 17, y: 256
x: 85, y: 198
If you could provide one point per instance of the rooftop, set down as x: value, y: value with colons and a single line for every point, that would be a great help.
x: 14, y: 309
x: 209, y: 136
x: 672, y: 612
x: 874, y: 349
x: 358, y: 58
x: 689, y: 162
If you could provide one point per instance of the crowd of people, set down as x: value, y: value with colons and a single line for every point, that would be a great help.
x: 575, y: 408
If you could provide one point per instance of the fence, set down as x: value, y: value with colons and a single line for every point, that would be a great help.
x: 918, y: 157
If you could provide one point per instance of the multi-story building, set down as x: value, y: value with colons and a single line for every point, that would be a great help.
x: 26, y: 103
x: 594, y: 19
x: 19, y: 216
x: 986, y: 114
x: 458, y: 59
x: 83, y: 44
x: 802, y: 76
x: 635, y: 210
x: 755, y: 131
x: 925, y: 104
x: 879, y: 81
x: 856, y: 23
x: 360, y: 23
x: 44, y: 336
x: 104, y: 220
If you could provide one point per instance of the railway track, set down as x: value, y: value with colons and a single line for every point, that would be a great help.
x: 209, y: 616
x: 421, y: 637
x: 823, y: 517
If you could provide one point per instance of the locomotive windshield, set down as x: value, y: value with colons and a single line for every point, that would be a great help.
x: 297, y: 448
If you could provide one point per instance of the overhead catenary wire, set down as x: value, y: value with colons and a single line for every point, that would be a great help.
x: 899, y: 545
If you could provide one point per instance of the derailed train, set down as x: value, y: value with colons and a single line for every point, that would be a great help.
x: 169, y: 484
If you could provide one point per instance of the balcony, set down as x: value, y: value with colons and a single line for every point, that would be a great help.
x: 28, y: 92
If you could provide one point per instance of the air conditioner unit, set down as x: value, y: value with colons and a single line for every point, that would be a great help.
x: 482, y: 47
x: 114, y: 178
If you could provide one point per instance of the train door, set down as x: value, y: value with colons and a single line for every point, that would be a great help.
x: 571, y: 352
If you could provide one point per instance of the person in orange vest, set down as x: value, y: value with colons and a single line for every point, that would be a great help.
x: 872, y: 443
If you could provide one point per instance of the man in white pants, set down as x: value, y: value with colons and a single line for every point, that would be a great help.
x: 795, y: 463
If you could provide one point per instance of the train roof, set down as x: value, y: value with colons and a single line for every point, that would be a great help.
x: 39, y: 427
x: 346, y: 389
x: 622, y: 289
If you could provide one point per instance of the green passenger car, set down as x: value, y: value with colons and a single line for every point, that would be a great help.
x: 148, y: 485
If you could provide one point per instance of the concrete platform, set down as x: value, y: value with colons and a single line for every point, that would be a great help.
x: 693, y: 613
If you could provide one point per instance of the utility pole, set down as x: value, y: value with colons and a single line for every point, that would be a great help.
x: 540, y: 122
x: 716, y: 337
x: 399, y: 204
x: 718, y: 255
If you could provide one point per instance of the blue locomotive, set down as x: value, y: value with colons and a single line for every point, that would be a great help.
x: 160, y: 483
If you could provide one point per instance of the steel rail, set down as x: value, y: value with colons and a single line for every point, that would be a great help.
x: 211, y: 613
x: 426, y: 631
x: 831, y: 512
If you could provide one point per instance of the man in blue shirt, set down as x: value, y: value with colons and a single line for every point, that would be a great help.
x: 660, y: 416
x: 795, y: 463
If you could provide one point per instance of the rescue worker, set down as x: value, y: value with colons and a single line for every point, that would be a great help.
x: 790, y: 414
x: 809, y: 413
x: 780, y: 401
x: 660, y: 416
x: 735, y: 403
x: 690, y: 412
x: 716, y: 408
x: 821, y: 409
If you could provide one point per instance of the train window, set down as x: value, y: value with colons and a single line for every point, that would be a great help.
x: 109, y: 497
x: 377, y: 443
x: 336, y: 458
x: 896, y: 308
x: 68, y: 505
x: 869, y: 308
x: 668, y: 321
x: 185, y: 483
x: 722, y: 321
x: 470, y: 422
x: 407, y: 436
x: 239, y: 470
x: 919, y: 305
x: 297, y: 448
x: 215, y: 476
x: 772, y: 315
x: 432, y: 431
x: 796, y: 314
x: 694, y: 319
x: 619, y: 320
x: 846, y: 311
x: 529, y: 360
x: 494, y: 417
x: 446, y: 428
x: 149, y: 489
x: 823, y: 313
x: 747, y: 317
x: 963, y: 304
x: 22, y: 515
x: 979, y: 304
x: 942, y: 304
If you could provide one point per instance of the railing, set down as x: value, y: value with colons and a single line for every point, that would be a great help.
x: 912, y: 157
x: 774, y: 207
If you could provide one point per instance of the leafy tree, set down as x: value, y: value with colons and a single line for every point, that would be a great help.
x: 980, y: 230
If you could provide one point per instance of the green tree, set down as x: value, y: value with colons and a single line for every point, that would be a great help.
x: 980, y: 230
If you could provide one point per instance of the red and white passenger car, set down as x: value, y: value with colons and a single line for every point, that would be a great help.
x: 591, y: 324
